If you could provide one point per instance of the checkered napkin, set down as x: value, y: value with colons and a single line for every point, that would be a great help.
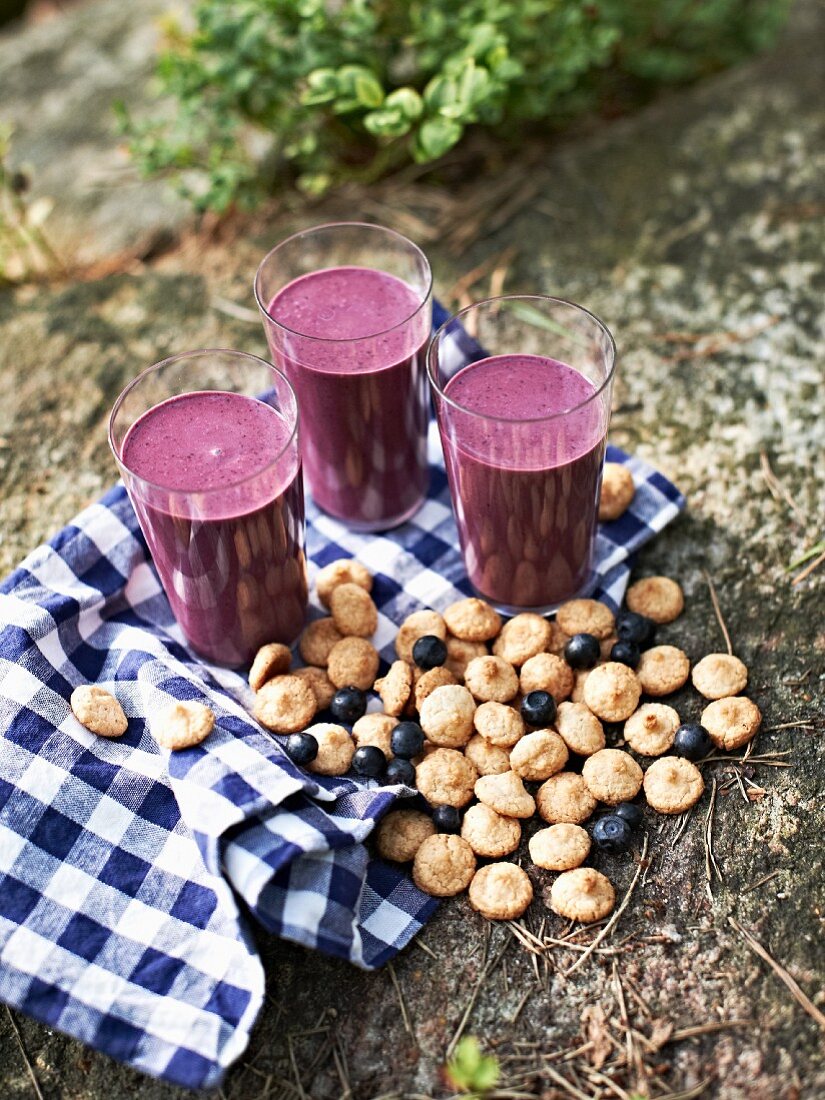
x: 127, y: 874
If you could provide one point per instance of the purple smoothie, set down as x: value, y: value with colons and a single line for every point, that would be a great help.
x: 526, y: 487
x: 353, y: 346
x: 222, y: 510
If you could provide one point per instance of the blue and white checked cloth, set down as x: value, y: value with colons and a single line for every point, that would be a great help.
x: 126, y: 873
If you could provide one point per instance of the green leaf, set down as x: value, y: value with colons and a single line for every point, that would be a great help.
x: 321, y: 87
x: 368, y: 91
x: 470, y: 1070
x: 407, y: 101
x: 435, y: 137
x: 387, y: 122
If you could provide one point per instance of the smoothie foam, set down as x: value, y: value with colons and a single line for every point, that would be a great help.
x: 524, y: 478
x: 351, y: 341
x: 220, y: 500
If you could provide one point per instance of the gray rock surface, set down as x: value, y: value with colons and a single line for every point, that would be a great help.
x: 60, y: 80
x: 695, y: 230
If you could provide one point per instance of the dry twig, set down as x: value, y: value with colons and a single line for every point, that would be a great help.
x: 29, y: 1066
x: 714, y: 599
x: 778, y: 490
x: 710, y: 858
x: 611, y: 924
x: 796, y: 992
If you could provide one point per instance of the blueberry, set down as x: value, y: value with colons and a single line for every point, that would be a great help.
x: 429, y: 652
x: 400, y: 771
x: 301, y: 748
x: 348, y: 705
x: 538, y: 708
x: 582, y: 651
x: 612, y: 833
x: 626, y: 653
x: 407, y: 739
x: 632, y: 627
x: 369, y: 761
x: 629, y: 812
x: 446, y: 819
x: 692, y: 741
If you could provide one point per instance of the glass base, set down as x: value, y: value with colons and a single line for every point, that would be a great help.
x: 368, y: 527
x: 509, y: 610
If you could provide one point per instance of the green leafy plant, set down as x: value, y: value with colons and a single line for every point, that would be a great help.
x: 471, y: 1071
x: 322, y: 90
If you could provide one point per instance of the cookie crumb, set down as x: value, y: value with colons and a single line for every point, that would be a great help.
x: 472, y: 620
x: 395, y: 688
x: 522, y: 637
x: 580, y: 729
x: 565, y: 798
x: 444, y: 865
x: 582, y: 894
x: 612, y: 776
x: 617, y: 492
x: 335, y: 749
x: 501, y: 891
x: 415, y: 626
x: 286, y: 704
x: 487, y: 758
x: 651, y: 729
x: 317, y: 640
x: 586, y: 617
x: 488, y: 833
x: 491, y: 679
x: 342, y: 571
x: 662, y: 670
x: 183, y: 725
x: 612, y: 691
x: 539, y: 755
x: 353, y: 662
x: 98, y: 710
x: 499, y: 724
x: 446, y: 716
x: 401, y: 833
x: 719, y: 675
x: 559, y: 847
x: 731, y: 722
x: 506, y: 794
x: 270, y: 660
x: 353, y: 611
x: 446, y: 776
x: 673, y: 784
x: 658, y: 598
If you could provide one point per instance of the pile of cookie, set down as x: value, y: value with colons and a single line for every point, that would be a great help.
x: 496, y: 722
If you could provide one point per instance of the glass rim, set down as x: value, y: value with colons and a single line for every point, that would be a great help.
x: 178, y: 358
x: 341, y: 225
x: 441, y: 331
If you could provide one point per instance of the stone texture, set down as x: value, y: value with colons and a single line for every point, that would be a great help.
x: 60, y: 81
x: 694, y: 229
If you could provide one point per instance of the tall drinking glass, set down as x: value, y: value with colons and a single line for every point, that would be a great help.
x: 523, y: 425
x: 207, y: 444
x: 347, y: 312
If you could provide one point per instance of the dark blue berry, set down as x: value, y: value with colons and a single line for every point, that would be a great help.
x: 632, y: 627
x: 626, y: 653
x: 582, y: 651
x: 400, y: 771
x: 447, y: 819
x: 612, y: 833
x: 369, y: 761
x: 348, y: 705
x: 692, y: 741
x: 301, y: 748
x: 538, y: 708
x: 407, y: 739
x: 629, y: 812
x: 429, y: 652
